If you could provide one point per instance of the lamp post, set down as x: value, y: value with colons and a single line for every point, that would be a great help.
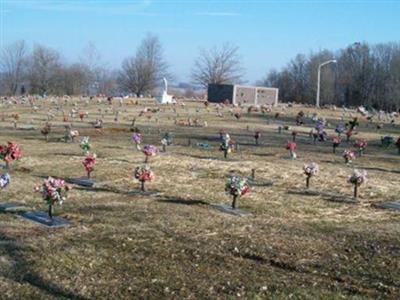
x: 319, y: 78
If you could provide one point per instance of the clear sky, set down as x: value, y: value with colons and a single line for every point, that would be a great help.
x: 268, y: 33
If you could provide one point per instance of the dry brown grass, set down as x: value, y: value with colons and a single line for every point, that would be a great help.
x: 175, y: 245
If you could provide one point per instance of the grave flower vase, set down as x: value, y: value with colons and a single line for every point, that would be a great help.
x: 142, y: 186
x: 308, y: 181
x: 51, y: 212
x: 355, y: 191
x: 234, y: 200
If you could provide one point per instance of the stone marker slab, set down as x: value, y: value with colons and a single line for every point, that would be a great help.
x: 390, y: 205
x: 226, y: 208
x: 11, y: 207
x: 26, y: 127
x: 42, y: 218
x: 147, y: 193
x: 308, y: 192
x: 334, y: 197
x: 81, y: 181
x: 339, y: 198
x: 259, y: 182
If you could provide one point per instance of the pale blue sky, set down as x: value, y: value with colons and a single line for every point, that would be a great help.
x: 269, y: 33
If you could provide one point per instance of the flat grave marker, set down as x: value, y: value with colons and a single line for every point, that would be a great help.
x: 81, y: 181
x: 8, y: 207
x: 43, y: 218
x: 390, y: 205
x: 253, y: 181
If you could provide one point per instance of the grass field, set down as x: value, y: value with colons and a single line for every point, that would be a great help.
x: 173, y: 244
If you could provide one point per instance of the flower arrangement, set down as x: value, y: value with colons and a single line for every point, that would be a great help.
x: 73, y: 134
x: 310, y: 170
x: 143, y: 174
x: 340, y: 129
x: 53, y: 191
x: 361, y: 145
x: 357, y: 179
x: 10, y: 153
x: 348, y: 155
x: 291, y: 146
x: 320, y: 125
x: 85, y: 144
x: 349, y: 133
x: 354, y: 123
x: 166, y: 141
x: 88, y: 163
x: 226, y: 144
x: 236, y: 186
x: 82, y: 115
x: 46, y: 130
x: 4, y: 180
x: 336, y: 143
x: 149, y: 150
x: 137, y: 139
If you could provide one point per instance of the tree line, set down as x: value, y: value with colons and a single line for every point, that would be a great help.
x: 363, y: 75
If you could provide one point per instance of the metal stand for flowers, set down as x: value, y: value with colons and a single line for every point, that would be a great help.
x: 234, y: 200
x: 51, y: 212
x: 308, y: 181
x: 142, y: 186
x: 355, y: 191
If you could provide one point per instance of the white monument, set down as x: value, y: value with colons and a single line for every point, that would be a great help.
x: 165, y: 98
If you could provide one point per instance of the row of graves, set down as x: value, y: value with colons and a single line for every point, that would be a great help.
x: 54, y: 191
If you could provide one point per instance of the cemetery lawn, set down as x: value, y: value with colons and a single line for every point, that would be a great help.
x: 172, y: 244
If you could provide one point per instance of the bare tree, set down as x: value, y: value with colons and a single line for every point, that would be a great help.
x: 95, y: 68
x: 143, y: 72
x: 218, y: 65
x: 71, y: 80
x: 13, y: 66
x: 44, y: 67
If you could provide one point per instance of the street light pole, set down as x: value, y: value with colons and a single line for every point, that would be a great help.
x: 319, y: 78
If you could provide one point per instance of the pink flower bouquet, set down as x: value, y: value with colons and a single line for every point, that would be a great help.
x: 88, y: 163
x: 10, y: 153
x: 143, y: 174
x: 53, y: 191
x: 348, y: 155
x: 149, y: 150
